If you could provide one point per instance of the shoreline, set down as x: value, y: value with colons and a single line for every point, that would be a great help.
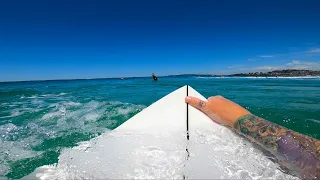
x: 268, y: 77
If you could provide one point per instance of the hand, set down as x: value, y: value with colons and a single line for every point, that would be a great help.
x: 219, y: 109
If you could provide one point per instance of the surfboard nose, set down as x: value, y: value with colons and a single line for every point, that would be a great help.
x: 166, y: 114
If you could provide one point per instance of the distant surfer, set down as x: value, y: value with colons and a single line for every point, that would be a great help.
x: 154, y: 77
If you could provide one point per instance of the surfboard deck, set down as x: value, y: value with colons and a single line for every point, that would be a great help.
x: 153, y: 145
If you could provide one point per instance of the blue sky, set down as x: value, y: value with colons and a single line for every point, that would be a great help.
x: 90, y: 39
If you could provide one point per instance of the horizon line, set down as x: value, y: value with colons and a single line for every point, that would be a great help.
x: 35, y: 80
x: 199, y: 74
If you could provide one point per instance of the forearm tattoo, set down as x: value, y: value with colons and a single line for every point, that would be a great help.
x: 298, y: 152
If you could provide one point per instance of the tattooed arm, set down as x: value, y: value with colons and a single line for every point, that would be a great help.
x: 298, y: 152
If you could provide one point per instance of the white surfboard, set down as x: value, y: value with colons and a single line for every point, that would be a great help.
x: 153, y: 145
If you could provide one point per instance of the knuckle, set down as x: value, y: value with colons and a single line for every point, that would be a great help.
x: 219, y: 97
x: 211, y: 98
x: 214, y: 98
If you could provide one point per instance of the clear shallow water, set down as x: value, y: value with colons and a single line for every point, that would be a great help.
x: 39, y: 119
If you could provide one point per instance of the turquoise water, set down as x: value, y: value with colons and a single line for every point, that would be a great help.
x: 38, y: 119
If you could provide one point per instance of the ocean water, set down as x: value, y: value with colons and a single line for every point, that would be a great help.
x: 40, y: 119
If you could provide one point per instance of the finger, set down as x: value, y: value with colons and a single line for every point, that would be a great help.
x: 197, y: 103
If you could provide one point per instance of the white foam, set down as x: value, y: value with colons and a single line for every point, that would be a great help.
x: 14, y: 150
x: 46, y: 172
x: 60, y: 109
x: 90, y: 111
x: 15, y: 112
x: 51, y: 115
x: 37, y: 102
x: 71, y: 115
x: 124, y: 110
x: 53, y: 95
x: 314, y: 120
x: 93, y: 116
x: 7, y: 128
x: 71, y: 104
x: 59, y: 117
x: 32, y: 97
